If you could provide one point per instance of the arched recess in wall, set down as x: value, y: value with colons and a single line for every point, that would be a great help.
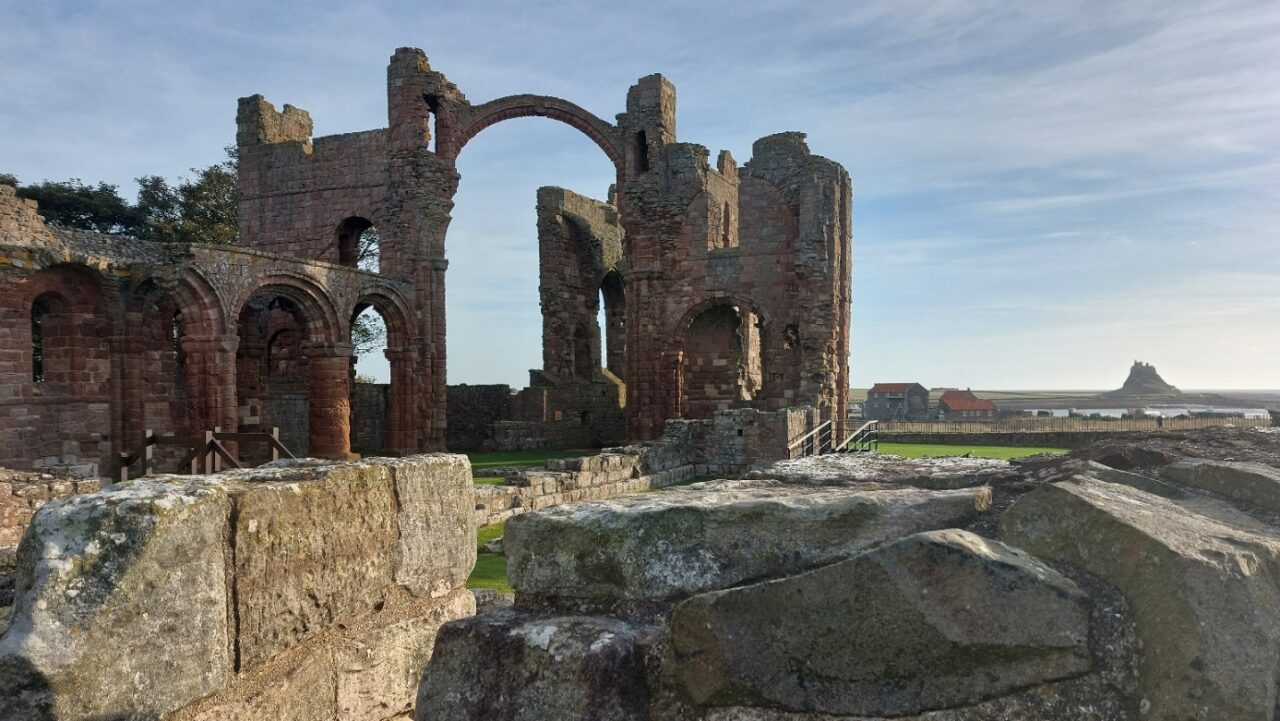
x: 156, y: 369
x: 291, y: 374
x: 382, y: 377
x: 720, y: 359
x: 492, y: 310
x: 359, y: 244
x: 66, y: 363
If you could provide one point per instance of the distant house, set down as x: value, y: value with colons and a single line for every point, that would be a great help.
x: 897, y: 402
x: 963, y: 406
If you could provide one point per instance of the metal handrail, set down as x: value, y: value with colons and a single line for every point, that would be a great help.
x: 867, y: 429
x: 795, y: 444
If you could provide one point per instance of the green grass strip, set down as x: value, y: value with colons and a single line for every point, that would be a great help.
x: 490, y: 572
x: 534, y: 458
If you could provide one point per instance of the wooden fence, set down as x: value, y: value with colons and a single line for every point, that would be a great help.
x: 1067, y: 424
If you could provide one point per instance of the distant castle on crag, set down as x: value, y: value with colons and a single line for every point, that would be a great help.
x: 1144, y: 381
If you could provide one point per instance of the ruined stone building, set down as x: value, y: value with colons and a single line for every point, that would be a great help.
x: 725, y: 286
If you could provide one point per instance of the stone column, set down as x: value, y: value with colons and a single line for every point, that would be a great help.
x: 650, y: 386
x: 432, y: 363
x: 330, y: 406
x: 400, y: 401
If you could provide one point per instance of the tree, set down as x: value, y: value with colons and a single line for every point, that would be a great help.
x: 9, y: 179
x: 368, y: 250
x: 368, y: 332
x: 203, y: 210
x: 73, y: 204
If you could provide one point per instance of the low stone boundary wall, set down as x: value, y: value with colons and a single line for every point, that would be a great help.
x: 1056, y: 439
x: 22, y: 493
x: 731, y: 442
x: 495, y: 504
x: 308, y: 590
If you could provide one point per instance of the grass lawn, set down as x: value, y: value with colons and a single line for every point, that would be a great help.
x: 534, y: 458
x: 481, y: 460
x: 491, y: 569
x: 490, y: 572
x: 919, y: 450
x: 489, y: 533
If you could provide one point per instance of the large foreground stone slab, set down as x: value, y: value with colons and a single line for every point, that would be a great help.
x: 663, y: 546
x: 933, y: 621
x: 1253, y: 483
x: 1200, y: 577
x: 509, y: 666
x: 303, y: 590
x: 122, y: 605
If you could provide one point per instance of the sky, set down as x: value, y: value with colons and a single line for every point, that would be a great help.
x: 1043, y: 192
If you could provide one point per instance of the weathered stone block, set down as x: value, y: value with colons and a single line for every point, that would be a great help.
x: 121, y: 607
x: 935, y: 620
x: 709, y: 536
x: 509, y: 666
x: 1203, y: 581
x: 310, y: 548
x: 435, y: 497
x: 1253, y: 483
x: 377, y: 676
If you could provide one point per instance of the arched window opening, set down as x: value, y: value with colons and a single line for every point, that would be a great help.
x: 613, y: 314
x: 728, y: 239
x: 359, y: 244
x: 369, y: 338
x: 433, y: 121
x: 39, y: 312
x: 641, y: 152
x: 371, y: 378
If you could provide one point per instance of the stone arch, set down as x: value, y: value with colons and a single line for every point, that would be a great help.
x: 603, y: 134
x: 155, y: 369
x: 293, y: 366
x: 207, y: 315
x: 720, y: 356
x: 382, y: 416
x: 315, y: 305
x: 394, y: 309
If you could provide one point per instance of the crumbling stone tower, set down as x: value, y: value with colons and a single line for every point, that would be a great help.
x: 734, y: 282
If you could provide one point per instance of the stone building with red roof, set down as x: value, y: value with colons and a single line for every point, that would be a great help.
x: 956, y: 405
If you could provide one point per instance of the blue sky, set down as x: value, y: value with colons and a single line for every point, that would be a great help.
x: 1043, y: 192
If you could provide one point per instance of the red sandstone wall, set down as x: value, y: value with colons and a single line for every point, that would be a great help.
x: 22, y: 494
